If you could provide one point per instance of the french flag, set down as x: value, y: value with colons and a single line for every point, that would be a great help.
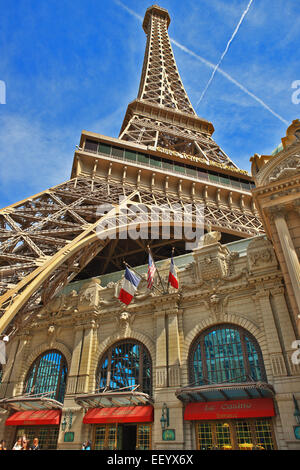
x: 173, y: 279
x: 129, y: 287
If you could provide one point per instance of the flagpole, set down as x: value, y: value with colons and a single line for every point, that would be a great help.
x: 164, y: 290
x: 138, y: 274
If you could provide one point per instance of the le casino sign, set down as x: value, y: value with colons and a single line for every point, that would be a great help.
x: 252, y: 408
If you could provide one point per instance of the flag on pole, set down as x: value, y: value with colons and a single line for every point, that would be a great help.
x: 151, y: 272
x: 173, y: 279
x: 129, y: 286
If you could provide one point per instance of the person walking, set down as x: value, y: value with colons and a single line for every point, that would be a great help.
x: 3, y: 445
x: 25, y: 444
x: 86, y: 445
x: 35, y: 445
x: 18, y: 444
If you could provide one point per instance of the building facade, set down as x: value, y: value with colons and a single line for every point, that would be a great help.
x: 211, y: 365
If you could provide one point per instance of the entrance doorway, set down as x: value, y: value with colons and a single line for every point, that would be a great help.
x: 122, y: 436
x: 128, y: 436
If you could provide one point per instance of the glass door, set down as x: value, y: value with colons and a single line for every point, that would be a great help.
x: 223, y: 436
x: 143, y: 437
x: 106, y: 437
x: 251, y: 434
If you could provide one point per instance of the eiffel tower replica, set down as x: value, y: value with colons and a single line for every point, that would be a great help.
x: 165, y: 155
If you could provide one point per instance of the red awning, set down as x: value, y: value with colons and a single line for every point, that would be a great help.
x: 121, y: 414
x: 230, y: 409
x: 34, y: 418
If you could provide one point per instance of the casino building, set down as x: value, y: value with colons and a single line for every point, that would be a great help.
x: 211, y: 365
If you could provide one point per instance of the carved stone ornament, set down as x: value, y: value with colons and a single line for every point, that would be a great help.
x: 216, y: 305
x: 286, y: 169
x: 261, y: 255
x: 124, y: 321
x: 214, y: 262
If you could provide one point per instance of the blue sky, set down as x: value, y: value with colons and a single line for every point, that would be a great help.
x: 70, y: 65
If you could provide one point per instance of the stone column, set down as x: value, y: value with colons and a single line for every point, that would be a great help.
x: 86, y: 357
x: 15, y: 387
x: 174, y: 353
x: 273, y: 345
x: 285, y: 324
x: 161, y: 350
x: 289, y: 254
x: 75, y: 361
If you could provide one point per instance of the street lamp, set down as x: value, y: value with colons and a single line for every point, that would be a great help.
x: 164, y: 420
x: 297, y: 411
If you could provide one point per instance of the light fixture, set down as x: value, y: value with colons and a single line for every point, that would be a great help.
x: 64, y: 423
x: 297, y: 411
x: 70, y: 419
x: 164, y: 420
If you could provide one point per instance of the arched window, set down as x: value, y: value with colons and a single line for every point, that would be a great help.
x: 223, y: 354
x: 48, y: 373
x: 127, y: 363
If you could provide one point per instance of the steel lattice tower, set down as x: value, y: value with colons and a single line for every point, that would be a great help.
x: 165, y: 155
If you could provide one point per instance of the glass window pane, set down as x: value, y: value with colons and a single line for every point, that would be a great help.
x: 223, y: 436
x: 104, y: 148
x: 227, y: 357
x: 236, y: 184
x: 214, y: 178
x: 204, y: 436
x: 224, y: 180
x: 167, y: 165
x: 244, y: 435
x: 143, y: 437
x: 245, y: 185
x: 191, y: 171
x: 91, y: 146
x: 117, y: 152
x: 143, y: 158
x: 155, y: 161
x: 48, y: 374
x: 47, y: 435
x: 264, y: 434
x: 121, y: 366
x: 203, y: 175
x: 130, y: 155
x: 179, y: 168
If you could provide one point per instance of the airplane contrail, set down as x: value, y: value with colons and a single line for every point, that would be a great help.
x: 225, y: 52
x: 212, y: 66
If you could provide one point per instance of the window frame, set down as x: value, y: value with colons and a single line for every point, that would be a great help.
x: 246, y: 363
x: 108, y: 355
x: 36, y: 362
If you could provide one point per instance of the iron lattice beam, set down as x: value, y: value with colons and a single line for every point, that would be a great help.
x: 48, y: 239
